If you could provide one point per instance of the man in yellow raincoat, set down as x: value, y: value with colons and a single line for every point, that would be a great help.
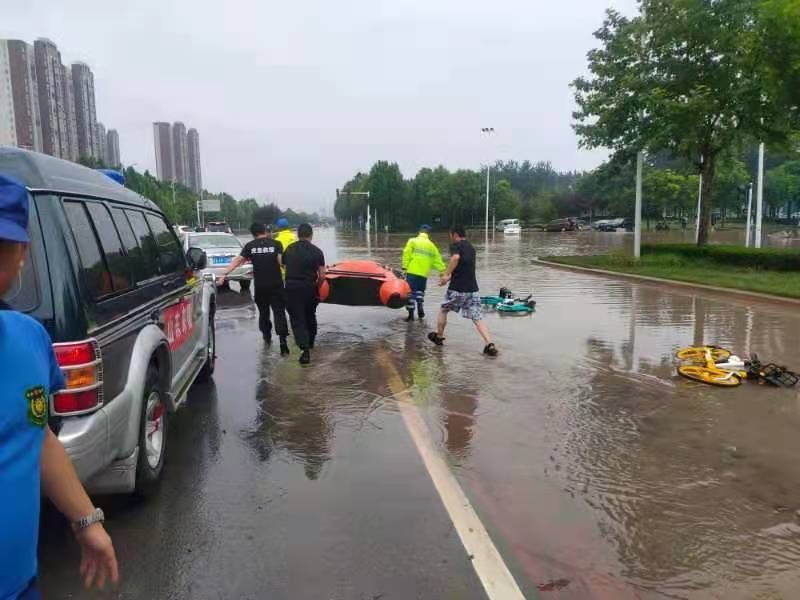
x: 420, y: 257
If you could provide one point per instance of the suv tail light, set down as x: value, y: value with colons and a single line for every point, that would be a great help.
x: 82, y: 366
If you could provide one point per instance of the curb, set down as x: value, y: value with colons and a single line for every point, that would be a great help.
x: 684, y: 284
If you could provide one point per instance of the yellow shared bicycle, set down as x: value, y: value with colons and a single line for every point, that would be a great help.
x: 712, y: 365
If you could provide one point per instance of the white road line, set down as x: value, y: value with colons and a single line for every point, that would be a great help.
x: 497, y: 580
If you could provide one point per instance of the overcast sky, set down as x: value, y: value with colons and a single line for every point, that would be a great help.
x: 293, y: 98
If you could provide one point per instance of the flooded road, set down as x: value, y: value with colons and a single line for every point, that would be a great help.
x: 597, y: 472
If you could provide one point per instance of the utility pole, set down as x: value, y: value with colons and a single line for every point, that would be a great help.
x: 748, y: 235
x: 488, y: 131
x: 699, y: 201
x: 637, y: 221
x: 760, y: 195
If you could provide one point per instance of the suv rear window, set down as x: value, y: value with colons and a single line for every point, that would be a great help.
x: 116, y: 260
x: 98, y: 279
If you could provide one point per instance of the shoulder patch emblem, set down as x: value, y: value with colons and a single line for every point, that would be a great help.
x: 37, y: 406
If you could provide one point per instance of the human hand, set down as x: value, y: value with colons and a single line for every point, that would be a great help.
x: 221, y: 280
x: 98, y: 559
x: 444, y: 280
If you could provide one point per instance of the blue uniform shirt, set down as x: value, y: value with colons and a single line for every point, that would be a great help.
x: 28, y: 375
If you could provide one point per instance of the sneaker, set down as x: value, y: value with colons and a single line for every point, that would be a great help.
x: 434, y: 337
x: 284, y: 348
x: 305, y: 357
x: 410, y: 317
x: 490, y: 350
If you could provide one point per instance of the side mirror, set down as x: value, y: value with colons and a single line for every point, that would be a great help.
x: 197, y: 259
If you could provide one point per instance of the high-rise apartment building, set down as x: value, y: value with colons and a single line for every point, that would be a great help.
x: 73, y: 150
x: 100, y: 142
x: 195, y: 182
x: 180, y: 153
x: 20, y: 123
x: 162, y: 134
x: 52, y: 98
x: 112, y: 149
x: 86, y: 111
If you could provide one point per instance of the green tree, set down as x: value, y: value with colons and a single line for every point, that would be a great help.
x: 386, y: 191
x: 688, y: 77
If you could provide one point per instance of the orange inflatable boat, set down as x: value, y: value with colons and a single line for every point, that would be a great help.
x: 364, y: 283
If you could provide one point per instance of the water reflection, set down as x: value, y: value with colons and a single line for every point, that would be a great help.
x: 588, y: 456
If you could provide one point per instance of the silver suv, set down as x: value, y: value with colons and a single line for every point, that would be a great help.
x: 132, y: 322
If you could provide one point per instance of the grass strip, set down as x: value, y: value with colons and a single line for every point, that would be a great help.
x: 703, y: 271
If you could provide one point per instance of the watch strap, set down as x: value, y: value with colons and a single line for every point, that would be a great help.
x: 96, y: 516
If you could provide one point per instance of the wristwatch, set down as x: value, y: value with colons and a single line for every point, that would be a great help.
x: 97, y: 516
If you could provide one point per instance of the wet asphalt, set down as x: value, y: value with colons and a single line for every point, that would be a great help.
x: 596, y: 470
x: 282, y: 482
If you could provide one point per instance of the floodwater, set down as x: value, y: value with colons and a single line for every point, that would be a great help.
x: 599, y: 472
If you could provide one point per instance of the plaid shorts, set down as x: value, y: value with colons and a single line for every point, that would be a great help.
x: 467, y: 303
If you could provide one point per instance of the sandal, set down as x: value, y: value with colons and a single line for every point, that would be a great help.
x: 434, y: 337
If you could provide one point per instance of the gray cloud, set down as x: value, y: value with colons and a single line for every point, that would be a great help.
x: 290, y: 101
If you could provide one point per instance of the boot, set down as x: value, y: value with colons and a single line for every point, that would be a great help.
x: 410, y: 318
x: 305, y: 357
x: 421, y: 314
x: 284, y: 347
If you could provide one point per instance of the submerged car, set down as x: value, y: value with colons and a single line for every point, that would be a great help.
x: 562, y: 225
x: 220, y: 249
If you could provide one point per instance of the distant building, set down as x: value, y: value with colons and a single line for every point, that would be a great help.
x: 86, y: 111
x: 162, y: 135
x: 73, y: 150
x: 112, y: 149
x: 52, y: 98
x: 195, y: 182
x: 100, y: 142
x: 20, y: 123
x: 180, y: 153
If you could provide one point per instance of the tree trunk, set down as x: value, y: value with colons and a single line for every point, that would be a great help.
x: 708, y: 172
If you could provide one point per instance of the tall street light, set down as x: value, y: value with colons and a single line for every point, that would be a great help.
x: 487, y: 131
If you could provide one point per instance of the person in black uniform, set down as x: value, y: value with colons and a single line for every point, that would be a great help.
x: 266, y: 255
x: 305, y: 269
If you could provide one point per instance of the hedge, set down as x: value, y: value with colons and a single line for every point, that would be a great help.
x: 737, y: 256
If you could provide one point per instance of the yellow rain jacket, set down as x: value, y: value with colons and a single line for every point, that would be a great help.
x: 421, y: 256
x: 286, y: 237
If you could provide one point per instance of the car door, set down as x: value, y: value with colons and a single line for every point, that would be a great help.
x: 184, y: 301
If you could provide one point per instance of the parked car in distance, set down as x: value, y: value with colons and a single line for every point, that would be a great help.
x: 562, y: 225
x: 501, y: 225
x: 132, y: 324
x: 220, y: 248
x: 218, y: 227
x: 609, y: 224
x: 182, y: 230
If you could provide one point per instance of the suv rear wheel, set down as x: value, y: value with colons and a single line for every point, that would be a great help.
x: 152, y: 436
x: 211, y: 352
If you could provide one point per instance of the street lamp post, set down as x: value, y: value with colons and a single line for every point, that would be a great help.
x: 760, y: 195
x: 487, y: 130
x: 747, y: 229
x: 637, y: 222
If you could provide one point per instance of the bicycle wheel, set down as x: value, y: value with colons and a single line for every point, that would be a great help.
x: 698, y: 353
x: 710, y: 376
